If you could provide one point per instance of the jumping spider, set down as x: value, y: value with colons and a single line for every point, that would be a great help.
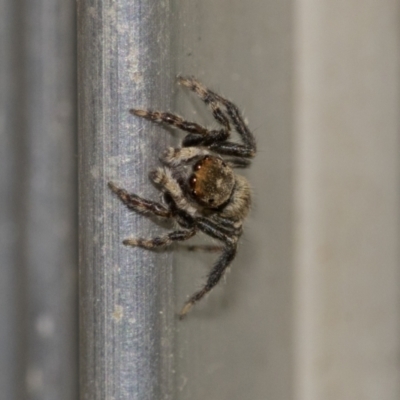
x: 200, y: 189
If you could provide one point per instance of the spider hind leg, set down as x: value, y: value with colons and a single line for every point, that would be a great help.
x: 213, y: 278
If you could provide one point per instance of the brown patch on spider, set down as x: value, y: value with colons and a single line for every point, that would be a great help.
x: 212, y: 181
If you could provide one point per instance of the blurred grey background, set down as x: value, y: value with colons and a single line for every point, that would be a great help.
x: 310, y: 308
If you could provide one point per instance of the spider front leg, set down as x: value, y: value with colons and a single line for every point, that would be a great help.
x: 239, y: 124
x: 169, y: 119
x: 161, y: 241
x: 138, y: 204
x: 163, y: 178
x: 208, y: 97
x: 248, y: 148
x: 197, y: 133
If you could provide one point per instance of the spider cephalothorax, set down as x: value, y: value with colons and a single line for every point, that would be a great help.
x: 201, y: 190
x: 212, y: 181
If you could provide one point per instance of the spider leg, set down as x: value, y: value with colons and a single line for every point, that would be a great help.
x: 161, y: 241
x: 175, y: 157
x: 238, y: 162
x: 201, y: 136
x: 138, y: 204
x: 198, y: 135
x: 170, y: 119
x: 232, y: 149
x: 202, y: 247
x: 208, y: 97
x: 239, y: 123
x: 223, y: 233
x: 214, y: 100
x: 220, y: 228
x: 213, y: 278
x: 230, y: 227
x: 195, y: 139
x: 168, y: 184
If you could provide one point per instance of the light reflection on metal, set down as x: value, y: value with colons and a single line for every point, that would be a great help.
x: 126, y: 293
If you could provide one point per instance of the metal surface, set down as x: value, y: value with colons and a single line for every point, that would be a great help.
x: 127, y: 315
x: 38, y: 206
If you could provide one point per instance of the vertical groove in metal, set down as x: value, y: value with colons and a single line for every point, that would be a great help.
x: 126, y: 311
x: 49, y: 205
x: 38, y: 210
x: 10, y: 78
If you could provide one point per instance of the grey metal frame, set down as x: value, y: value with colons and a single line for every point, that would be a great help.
x: 126, y: 310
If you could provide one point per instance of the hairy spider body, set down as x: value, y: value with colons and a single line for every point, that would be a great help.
x: 201, y: 192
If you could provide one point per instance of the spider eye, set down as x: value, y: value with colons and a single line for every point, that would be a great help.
x: 197, y: 166
x: 211, y: 201
x: 192, y: 181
